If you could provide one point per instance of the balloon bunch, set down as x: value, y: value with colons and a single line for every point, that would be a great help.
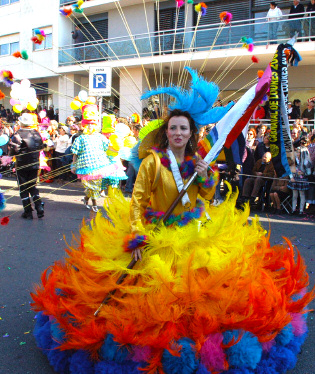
x: 75, y: 8
x: 23, y: 96
x: 201, y: 8
x: 226, y: 17
x: 6, y: 77
x: 23, y: 54
x: 248, y: 43
x: 81, y: 100
x: 39, y: 36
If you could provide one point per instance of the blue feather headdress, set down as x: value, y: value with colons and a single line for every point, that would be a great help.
x: 198, y: 100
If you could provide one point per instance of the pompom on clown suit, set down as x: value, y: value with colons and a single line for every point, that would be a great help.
x: 209, y: 296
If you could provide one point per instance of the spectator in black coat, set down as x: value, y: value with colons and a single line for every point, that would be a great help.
x: 262, y: 147
x: 296, y: 110
x: 26, y: 145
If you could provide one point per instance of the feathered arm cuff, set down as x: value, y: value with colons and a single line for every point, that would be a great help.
x: 209, y: 182
x: 133, y: 241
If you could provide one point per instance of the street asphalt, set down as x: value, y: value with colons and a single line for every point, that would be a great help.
x: 29, y: 247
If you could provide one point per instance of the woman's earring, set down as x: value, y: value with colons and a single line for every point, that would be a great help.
x: 190, y: 143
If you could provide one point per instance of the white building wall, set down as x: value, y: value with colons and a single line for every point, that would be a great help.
x: 22, y: 18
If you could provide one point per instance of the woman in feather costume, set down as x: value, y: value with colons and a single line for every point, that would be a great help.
x: 209, y: 295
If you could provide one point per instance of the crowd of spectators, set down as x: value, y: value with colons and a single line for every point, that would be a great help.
x: 258, y: 179
x: 255, y: 172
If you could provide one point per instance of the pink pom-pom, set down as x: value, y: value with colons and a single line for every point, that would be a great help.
x: 228, y: 17
x: 299, y: 324
x: 141, y: 354
x: 250, y: 47
x: 180, y: 3
x: 266, y: 346
x: 212, y: 354
x: 43, y: 33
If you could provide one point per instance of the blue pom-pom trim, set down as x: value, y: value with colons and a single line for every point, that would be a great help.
x: 116, y: 359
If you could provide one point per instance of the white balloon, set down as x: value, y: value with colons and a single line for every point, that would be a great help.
x: 25, y: 83
x: 24, y: 103
x: 122, y: 130
x: 31, y: 93
x: 42, y: 114
x: 83, y: 95
x: 14, y: 94
x: 15, y: 86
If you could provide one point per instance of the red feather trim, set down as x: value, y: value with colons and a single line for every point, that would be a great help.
x: 255, y: 60
x: 5, y: 221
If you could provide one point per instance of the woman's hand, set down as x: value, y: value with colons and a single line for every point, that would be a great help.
x: 202, y: 168
x: 73, y: 170
x: 136, y: 254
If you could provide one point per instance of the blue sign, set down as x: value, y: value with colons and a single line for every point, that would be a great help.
x: 99, y: 81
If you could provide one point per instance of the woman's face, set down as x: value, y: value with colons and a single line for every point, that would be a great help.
x: 178, y: 132
x: 272, y: 6
x: 250, y: 135
x: 262, y: 130
x: 62, y: 131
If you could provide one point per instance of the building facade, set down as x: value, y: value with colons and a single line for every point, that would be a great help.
x: 146, y: 43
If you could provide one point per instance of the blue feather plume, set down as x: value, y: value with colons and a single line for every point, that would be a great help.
x: 198, y: 100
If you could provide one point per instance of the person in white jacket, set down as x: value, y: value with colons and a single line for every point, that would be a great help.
x: 273, y: 15
x: 61, y: 144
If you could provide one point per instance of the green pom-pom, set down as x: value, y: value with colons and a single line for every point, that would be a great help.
x: 78, y: 10
x: 190, y: 1
x: 24, y: 55
x: 152, y: 125
x: 244, y: 39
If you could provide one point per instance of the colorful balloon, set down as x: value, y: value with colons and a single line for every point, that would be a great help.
x: 91, y: 100
x: 17, y: 108
x: 14, y: 102
x: 83, y: 95
x: 75, y: 105
x: 3, y: 139
x: 31, y: 105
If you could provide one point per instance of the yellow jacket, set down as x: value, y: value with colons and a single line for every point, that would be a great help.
x: 155, y: 186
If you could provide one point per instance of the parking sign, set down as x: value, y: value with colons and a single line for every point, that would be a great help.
x: 100, y: 81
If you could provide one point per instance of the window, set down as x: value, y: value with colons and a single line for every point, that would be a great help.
x: 9, y: 48
x: 7, y: 2
x: 14, y: 47
x: 4, y: 49
x: 46, y: 43
x: 166, y: 24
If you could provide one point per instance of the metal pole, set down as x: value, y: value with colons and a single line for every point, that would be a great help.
x: 100, y: 109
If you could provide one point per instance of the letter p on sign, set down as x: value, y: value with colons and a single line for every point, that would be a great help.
x: 99, y: 81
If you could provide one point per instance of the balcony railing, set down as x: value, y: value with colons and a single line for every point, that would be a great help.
x: 67, y: 2
x: 180, y: 40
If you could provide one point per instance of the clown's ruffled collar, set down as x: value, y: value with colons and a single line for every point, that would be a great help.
x: 186, y: 168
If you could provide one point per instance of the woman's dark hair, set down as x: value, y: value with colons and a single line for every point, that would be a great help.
x: 273, y: 3
x: 161, y: 140
x: 303, y: 140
